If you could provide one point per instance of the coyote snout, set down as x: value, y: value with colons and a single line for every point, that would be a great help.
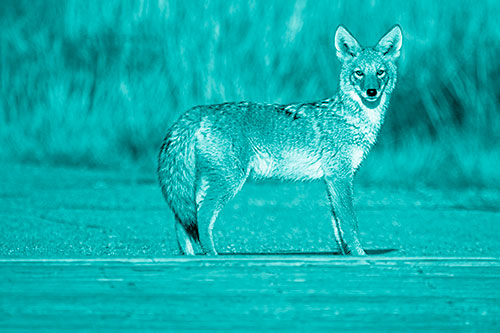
x: 210, y: 152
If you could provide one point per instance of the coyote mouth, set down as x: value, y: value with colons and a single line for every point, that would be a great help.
x: 371, y: 102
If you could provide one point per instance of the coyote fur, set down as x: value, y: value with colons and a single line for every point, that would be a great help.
x: 209, y: 153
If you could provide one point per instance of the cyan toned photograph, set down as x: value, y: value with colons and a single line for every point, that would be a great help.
x: 244, y: 165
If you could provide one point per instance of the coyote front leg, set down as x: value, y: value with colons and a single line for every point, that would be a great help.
x: 344, y: 220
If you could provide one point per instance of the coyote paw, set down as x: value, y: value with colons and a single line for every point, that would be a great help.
x: 357, y: 251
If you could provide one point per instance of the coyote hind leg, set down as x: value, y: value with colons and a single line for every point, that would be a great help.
x: 186, y: 237
x: 215, y: 194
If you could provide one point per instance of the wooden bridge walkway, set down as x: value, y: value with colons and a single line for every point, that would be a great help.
x: 247, y: 293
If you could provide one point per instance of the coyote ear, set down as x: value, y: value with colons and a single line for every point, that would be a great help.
x: 390, y: 44
x: 347, y: 46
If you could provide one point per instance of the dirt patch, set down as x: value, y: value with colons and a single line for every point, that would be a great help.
x: 58, y: 212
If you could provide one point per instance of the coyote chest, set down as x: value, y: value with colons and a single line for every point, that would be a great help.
x: 294, y: 164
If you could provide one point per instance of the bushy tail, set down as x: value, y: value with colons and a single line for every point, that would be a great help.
x: 176, y: 174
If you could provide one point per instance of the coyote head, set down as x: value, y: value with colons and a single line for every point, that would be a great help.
x: 368, y: 74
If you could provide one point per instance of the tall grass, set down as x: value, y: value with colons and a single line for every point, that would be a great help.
x: 98, y: 82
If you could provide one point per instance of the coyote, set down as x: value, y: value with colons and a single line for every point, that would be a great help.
x: 208, y: 154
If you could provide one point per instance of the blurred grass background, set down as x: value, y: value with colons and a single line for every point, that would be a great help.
x: 97, y: 83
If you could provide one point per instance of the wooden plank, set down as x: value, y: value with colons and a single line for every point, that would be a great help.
x: 245, y: 293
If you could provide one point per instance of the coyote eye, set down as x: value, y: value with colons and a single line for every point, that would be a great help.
x: 381, y: 72
x: 359, y: 73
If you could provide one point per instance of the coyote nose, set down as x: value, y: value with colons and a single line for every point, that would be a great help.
x: 371, y: 92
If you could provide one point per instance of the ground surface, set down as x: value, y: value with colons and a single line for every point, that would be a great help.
x: 83, y: 220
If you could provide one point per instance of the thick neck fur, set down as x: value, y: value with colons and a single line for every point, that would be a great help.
x: 348, y: 106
